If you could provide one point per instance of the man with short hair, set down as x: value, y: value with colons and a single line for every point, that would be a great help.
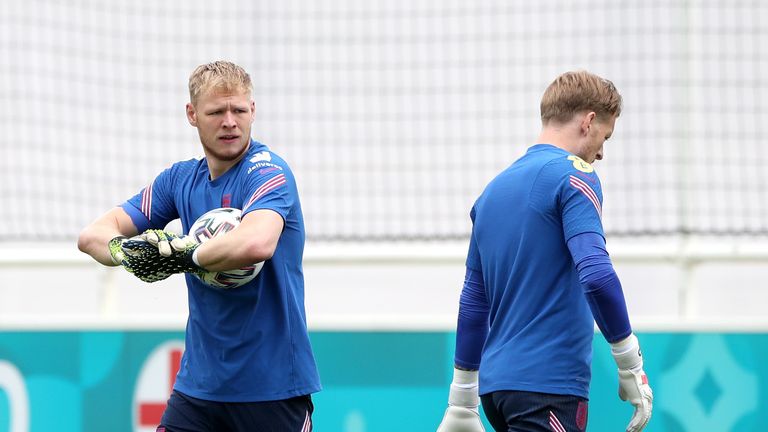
x: 538, y: 277
x: 248, y: 363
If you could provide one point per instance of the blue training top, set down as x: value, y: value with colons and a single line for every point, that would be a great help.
x: 250, y: 343
x: 541, y: 327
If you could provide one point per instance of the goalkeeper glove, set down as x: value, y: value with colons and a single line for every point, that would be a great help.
x: 633, y: 382
x: 167, y: 242
x: 135, y: 261
x: 462, y: 414
x: 116, y: 249
x: 169, y: 253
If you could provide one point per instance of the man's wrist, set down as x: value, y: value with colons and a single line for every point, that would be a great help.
x: 195, y: 259
x: 627, y: 353
x: 462, y: 368
x: 115, y: 249
x: 462, y: 376
x: 464, y: 389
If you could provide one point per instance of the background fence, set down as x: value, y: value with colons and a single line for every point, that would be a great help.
x: 394, y: 114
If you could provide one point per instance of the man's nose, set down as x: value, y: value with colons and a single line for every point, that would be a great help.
x: 229, y: 120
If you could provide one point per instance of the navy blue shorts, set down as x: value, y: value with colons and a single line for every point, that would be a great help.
x: 513, y: 411
x: 188, y: 414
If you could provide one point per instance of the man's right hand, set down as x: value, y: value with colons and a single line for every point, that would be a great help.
x: 462, y: 414
x: 141, y: 262
x: 156, y: 254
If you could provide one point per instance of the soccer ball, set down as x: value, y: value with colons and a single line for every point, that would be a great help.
x: 214, y: 223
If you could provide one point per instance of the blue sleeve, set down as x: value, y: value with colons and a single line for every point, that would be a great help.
x: 580, y: 197
x: 472, y: 328
x: 473, y: 255
x: 153, y: 206
x: 601, y: 285
x: 271, y: 187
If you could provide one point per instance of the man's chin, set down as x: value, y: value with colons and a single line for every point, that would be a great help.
x: 226, y: 155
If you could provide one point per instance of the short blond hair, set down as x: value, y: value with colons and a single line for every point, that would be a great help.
x: 219, y: 75
x: 576, y: 92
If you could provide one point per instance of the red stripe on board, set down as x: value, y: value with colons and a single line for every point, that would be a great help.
x: 174, y: 368
x: 150, y: 414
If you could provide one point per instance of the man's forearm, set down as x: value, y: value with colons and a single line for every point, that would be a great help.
x: 94, y: 240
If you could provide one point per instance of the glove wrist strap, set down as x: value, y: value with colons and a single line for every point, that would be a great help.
x: 194, y: 258
x: 115, y: 248
x: 464, y: 389
x: 627, y: 353
x: 190, y: 259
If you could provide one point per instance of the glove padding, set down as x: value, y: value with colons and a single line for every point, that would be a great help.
x: 167, y: 242
x: 137, y: 261
x: 633, y: 382
x: 462, y: 414
x: 461, y: 419
x: 163, y: 252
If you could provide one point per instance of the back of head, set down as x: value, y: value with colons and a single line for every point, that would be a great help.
x: 221, y: 76
x: 577, y: 92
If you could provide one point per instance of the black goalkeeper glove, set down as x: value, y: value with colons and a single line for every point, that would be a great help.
x: 167, y: 253
x: 136, y: 260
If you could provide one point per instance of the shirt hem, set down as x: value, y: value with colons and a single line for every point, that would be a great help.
x: 248, y: 397
x: 538, y: 388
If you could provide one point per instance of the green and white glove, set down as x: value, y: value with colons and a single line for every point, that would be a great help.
x: 167, y: 252
x: 116, y: 249
x: 633, y: 382
x: 168, y: 243
x: 137, y: 261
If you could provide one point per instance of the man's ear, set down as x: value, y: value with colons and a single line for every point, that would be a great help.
x: 253, y: 110
x: 191, y: 114
x: 586, y: 122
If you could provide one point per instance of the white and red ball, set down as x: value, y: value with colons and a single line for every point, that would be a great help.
x: 215, y: 223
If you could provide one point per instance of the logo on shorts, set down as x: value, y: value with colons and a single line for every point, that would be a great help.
x: 554, y: 423
x: 581, y: 415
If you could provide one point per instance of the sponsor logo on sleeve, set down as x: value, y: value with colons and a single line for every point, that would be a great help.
x: 264, y: 167
x: 261, y: 156
x: 262, y: 161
